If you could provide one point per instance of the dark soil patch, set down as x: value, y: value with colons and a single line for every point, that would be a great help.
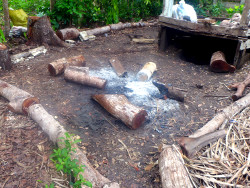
x: 102, y: 135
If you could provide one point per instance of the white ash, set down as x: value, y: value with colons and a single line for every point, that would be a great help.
x: 142, y: 94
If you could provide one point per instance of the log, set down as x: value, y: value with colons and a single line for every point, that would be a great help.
x: 146, y: 72
x: 143, y: 41
x: 19, y: 99
x: 82, y: 77
x: 122, y: 109
x: 54, y: 130
x: 98, y: 31
x: 225, y: 115
x: 42, y: 33
x: 240, y: 87
x: 118, y: 67
x: 57, y: 67
x: 170, y: 91
x: 172, y: 170
x: 218, y: 63
x: 5, y: 61
x: 191, y: 146
x: 68, y: 33
x: 118, y: 26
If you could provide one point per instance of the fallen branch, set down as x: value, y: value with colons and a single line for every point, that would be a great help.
x: 143, y: 41
x: 240, y: 87
x: 23, y: 102
x: 190, y: 146
x: 57, y: 67
x: 172, y: 170
x: 121, y: 108
x: 226, y: 114
x: 81, y: 76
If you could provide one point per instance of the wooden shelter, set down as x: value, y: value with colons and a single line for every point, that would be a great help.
x: 241, y: 34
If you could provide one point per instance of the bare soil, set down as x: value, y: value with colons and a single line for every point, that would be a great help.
x: 25, y: 149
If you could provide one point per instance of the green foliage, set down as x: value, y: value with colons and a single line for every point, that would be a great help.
x: 50, y: 185
x: 236, y: 9
x: 208, y: 9
x: 2, y: 37
x: 63, y: 162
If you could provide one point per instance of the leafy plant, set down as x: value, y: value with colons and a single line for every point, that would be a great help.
x: 236, y: 9
x: 208, y: 9
x: 63, y: 162
x: 2, y: 37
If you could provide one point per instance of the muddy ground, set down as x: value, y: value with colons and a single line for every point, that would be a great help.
x: 25, y: 149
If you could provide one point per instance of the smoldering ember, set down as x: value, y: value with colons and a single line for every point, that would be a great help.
x: 157, y: 103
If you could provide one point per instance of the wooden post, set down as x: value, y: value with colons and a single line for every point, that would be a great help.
x: 6, y: 18
x: 5, y: 61
x: 244, y: 21
x: 172, y: 170
x: 121, y: 108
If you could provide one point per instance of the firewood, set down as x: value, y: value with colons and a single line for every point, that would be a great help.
x: 190, y: 146
x: 224, y: 115
x: 143, y: 41
x: 117, y: 26
x: 82, y: 77
x: 5, y: 61
x: 172, y: 170
x: 42, y: 33
x: 121, y: 108
x: 119, y: 69
x: 19, y: 99
x: 57, y: 67
x: 240, y: 87
x: 68, y: 33
x: 146, y: 72
x: 170, y: 91
x: 53, y: 128
x: 218, y: 63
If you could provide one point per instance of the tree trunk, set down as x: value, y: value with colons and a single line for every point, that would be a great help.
x: 51, y: 127
x: 226, y: 114
x: 58, y: 67
x: 68, y: 33
x: 121, y: 108
x: 42, y: 33
x: 52, y: 4
x: 218, y: 63
x: 82, y: 77
x: 6, y: 18
x: 172, y: 170
x: 5, y: 61
x: 240, y: 86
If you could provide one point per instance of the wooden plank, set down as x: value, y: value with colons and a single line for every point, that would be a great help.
x: 202, y: 29
x: 163, y: 39
x: 118, y: 67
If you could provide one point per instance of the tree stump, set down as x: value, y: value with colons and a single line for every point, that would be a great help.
x: 121, y: 108
x: 218, y: 63
x: 40, y: 32
x: 5, y: 61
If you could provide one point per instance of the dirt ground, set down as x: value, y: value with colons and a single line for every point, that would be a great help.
x: 25, y: 149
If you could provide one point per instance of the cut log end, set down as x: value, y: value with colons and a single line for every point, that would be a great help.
x: 139, y: 119
x: 28, y: 102
x: 51, y: 70
x: 218, y: 63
